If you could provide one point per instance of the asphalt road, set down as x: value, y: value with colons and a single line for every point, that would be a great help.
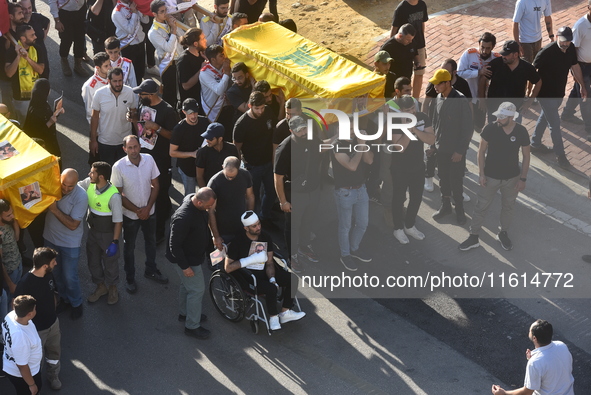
x: 357, y: 341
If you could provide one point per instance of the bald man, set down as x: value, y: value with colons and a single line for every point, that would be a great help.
x: 63, y: 232
x: 4, y: 110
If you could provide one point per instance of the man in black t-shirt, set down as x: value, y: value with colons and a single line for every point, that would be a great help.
x: 402, y: 50
x: 189, y: 64
x: 233, y: 187
x: 185, y: 142
x: 498, y: 166
x: 298, y: 181
x: 253, y: 136
x: 415, y: 13
x: 39, y: 283
x: 508, y: 80
x: 165, y: 120
x: 408, y: 172
x: 554, y: 62
x: 382, y: 64
x: 210, y: 158
x: 245, y: 252
x: 275, y: 103
x: 240, y: 91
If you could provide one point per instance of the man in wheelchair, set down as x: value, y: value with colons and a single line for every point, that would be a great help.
x: 253, y: 251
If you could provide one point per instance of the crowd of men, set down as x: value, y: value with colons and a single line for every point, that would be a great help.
x: 234, y: 139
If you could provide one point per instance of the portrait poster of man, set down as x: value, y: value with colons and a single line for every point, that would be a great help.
x: 30, y: 194
x: 7, y: 150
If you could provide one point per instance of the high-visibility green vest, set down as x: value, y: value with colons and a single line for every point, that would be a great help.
x: 99, y: 203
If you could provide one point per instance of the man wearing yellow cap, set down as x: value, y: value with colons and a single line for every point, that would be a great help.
x: 452, y: 121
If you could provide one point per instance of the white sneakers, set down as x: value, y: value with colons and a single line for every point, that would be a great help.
x: 400, y: 236
x: 466, y: 197
x: 414, y: 233
x: 274, y: 323
x: 429, y: 184
x: 290, y: 315
x: 286, y: 316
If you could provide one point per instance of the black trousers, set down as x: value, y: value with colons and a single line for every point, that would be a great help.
x: 137, y: 54
x: 74, y: 32
x: 403, y: 180
x: 451, y: 177
x: 169, y: 85
x: 163, y: 204
x: 283, y: 279
x: 151, y: 61
x: 431, y: 163
x: 21, y: 386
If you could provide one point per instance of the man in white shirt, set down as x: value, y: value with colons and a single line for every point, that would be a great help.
x: 113, y: 49
x: 102, y: 65
x: 214, y: 79
x: 549, y: 366
x: 527, y: 28
x: 163, y: 36
x: 136, y: 178
x: 108, y: 123
x: 22, y: 346
x: 128, y: 29
x: 70, y: 18
x: 217, y: 26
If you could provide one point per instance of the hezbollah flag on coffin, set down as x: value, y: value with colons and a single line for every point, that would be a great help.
x: 29, y: 175
x: 300, y: 67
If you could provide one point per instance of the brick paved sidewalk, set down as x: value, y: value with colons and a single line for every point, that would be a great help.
x: 450, y: 33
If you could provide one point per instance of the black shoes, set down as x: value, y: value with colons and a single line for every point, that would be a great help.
x: 541, y: 149
x: 572, y: 119
x: 198, y: 333
x: 361, y: 255
x: 563, y: 162
x: 506, y: 243
x: 444, y: 210
x: 76, y: 312
x: 131, y: 287
x: 157, y: 276
x: 471, y: 242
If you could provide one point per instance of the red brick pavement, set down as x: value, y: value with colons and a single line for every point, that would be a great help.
x: 450, y: 33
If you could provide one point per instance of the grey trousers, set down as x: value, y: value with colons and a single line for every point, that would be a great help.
x: 51, y: 341
x: 103, y: 269
x: 486, y: 196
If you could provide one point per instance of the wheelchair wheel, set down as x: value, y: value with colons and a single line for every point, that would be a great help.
x: 227, y: 296
x: 254, y: 325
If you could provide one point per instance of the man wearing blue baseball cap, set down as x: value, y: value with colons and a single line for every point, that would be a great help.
x: 211, y: 157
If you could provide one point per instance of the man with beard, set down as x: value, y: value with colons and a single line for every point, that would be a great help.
x: 40, y: 24
x: 211, y: 157
x: 233, y: 188
x: 136, y: 178
x: 301, y: 180
x: 240, y: 91
x: 189, y: 64
x: 498, y: 164
x: 63, y: 232
x: 128, y: 29
x: 472, y: 65
x: 113, y: 49
x: 275, y: 103
x: 108, y: 123
x: 554, y: 63
x: 39, y: 283
x: 214, y: 79
x: 382, y: 63
x: 401, y: 48
x: 105, y: 221
x: 186, y: 140
x: 102, y: 65
x: 70, y: 19
x: 16, y: 17
x: 219, y: 25
x: 24, y: 64
x: 164, y: 121
x: 508, y: 77
x: 163, y: 37
x: 11, y: 256
x: 253, y: 136
x: 293, y: 108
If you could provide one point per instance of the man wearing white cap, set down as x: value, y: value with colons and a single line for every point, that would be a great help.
x: 498, y: 164
x: 253, y: 249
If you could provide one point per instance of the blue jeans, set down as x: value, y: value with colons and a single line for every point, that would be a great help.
x: 351, y: 203
x: 131, y: 228
x: 191, y: 296
x: 66, y: 273
x: 263, y: 175
x: 549, y: 117
x: 574, y: 98
x: 188, y: 182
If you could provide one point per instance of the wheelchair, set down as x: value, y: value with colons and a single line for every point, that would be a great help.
x: 235, y: 296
